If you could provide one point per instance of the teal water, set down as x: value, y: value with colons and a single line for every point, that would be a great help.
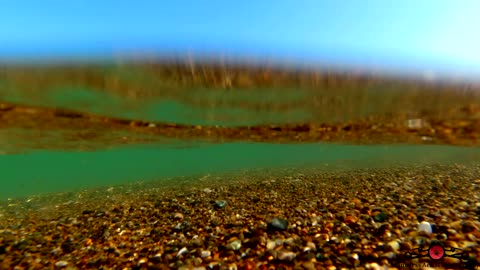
x: 198, y: 107
x: 37, y: 172
x: 27, y: 170
x: 235, y: 107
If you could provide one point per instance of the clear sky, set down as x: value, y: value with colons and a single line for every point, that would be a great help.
x: 437, y: 32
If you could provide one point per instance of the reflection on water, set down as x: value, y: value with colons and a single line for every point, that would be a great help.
x: 168, y: 117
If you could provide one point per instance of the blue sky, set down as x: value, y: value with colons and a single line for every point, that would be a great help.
x: 415, y: 32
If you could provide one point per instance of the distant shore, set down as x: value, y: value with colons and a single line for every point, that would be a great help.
x: 396, y: 110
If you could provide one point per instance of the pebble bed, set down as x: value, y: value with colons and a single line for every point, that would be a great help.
x: 363, y: 219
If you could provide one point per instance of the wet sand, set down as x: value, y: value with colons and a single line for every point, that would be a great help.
x: 282, y: 219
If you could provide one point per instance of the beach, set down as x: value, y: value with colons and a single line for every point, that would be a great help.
x: 277, y: 219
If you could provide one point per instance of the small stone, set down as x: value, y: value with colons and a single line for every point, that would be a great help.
x: 384, y: 230
x: 394, y: 245
x: 220, y: 204
x: 390, y: 255
x: 452, y: 244
x: 468, y: 244
x: 373, y: 266
x: 61, y: 264
x: 405, y: 246
x: 357, y: 202
x: 278, y: 224
x: 182, y: 251
x: 468, y: 227
x: 310, y: 246
x: 87, y: 212
x: 424, y: 226
x: 205, y: 253
x: 349, y: 219
x: 235, y: 245
x: 452, y: 234
x: 181, y: 226
x: 271, y: 244
x: 415, y: 123
x: 445, y: 211
x: 308, y: 265
x: 355, y: 256
x: 450, y: 260
x: 286, y: 255
x: 288, y: 241
x: 157, y: 257
x: 380, y: 217
x: 462, y: 204
x: 457, y: 225
x: 471, y: 237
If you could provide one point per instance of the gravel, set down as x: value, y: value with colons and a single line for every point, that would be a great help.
x: 291, y: 219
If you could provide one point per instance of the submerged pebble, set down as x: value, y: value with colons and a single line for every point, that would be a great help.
x: 61, y: 264
x: 319, y: 228
x: 220, y: 204
x: 235, y: 245
x: 279, y: 224
x: 425, y: 226
x: 380, y: 217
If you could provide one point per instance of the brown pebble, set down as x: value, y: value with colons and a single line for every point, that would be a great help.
x: 308, y: 265
x: 457, y: 225
x: 349, y: 219
x: 468, y: 227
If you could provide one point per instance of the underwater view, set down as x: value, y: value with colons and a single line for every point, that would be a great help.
x: 221, y: 135
x: 161, y: 165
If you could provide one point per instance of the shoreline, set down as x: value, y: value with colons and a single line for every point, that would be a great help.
x: 461, y: 128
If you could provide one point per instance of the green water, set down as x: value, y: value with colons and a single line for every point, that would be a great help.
x: 27, y: 170
x: 202, y: 107
x: 38, y: 172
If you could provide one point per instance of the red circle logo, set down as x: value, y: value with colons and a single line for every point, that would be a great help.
x: 436, y: 251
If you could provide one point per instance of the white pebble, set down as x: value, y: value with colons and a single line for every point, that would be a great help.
x: 61, y: 264
x: 395, y: 245
x: 415, y: 123
x: 286, y: 255
x: 425, y: 227
x: 205, y: 253
x: 236, y: 245
x: 182, y: 251
x: 271, y: 245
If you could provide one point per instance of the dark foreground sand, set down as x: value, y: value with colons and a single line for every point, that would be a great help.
x: 365, y: 219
